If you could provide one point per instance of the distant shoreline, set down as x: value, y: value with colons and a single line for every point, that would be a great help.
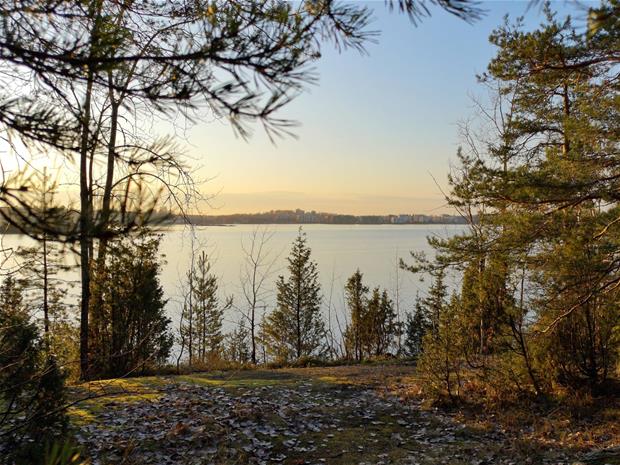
x: 289, y: 217
x: 13, y: 231
x: 302, y: 217
x: 230, y: 225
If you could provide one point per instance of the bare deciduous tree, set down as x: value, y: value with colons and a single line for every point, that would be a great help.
x: 257, y: 269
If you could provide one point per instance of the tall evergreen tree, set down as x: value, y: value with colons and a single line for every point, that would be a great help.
x: 295, y: 328
x: 538, y: 259
x: 436, y: 299
x: 381, y: 325
x: 427, y: 312
x: 31, y: 383
x: 373, y: 326
x: 209, y: 315
x: 134, y: 331
x: 556, y: 192
x: 356, y: 298
x: 203, y: 313
x: 417, y: 325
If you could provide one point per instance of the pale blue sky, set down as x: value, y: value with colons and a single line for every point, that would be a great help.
x: 374, y: 131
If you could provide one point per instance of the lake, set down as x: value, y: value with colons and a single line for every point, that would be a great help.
x: 338, y: 250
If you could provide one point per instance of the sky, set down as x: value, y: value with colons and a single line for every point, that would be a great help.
x: 377, y: 133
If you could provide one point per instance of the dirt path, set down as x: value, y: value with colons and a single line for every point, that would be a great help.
x: 336, y: 416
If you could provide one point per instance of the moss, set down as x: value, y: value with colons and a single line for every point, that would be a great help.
x: 80, y: 416
x: 201, y: 380
x: 96, y: 396
x: 243, y: 379
x: 333, y: 380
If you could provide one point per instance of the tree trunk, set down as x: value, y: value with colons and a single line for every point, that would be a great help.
x: 107, y: 192
x: 85, y: 226
x: 252, y: 330
x: 46, y: 318
x: 567, y: 111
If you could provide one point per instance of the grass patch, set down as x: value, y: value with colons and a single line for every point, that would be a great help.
x: 80, y: 416
x: 240, y: 379
x: 95, y: 396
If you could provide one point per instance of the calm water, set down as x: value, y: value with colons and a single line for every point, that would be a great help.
x: 338, y: 250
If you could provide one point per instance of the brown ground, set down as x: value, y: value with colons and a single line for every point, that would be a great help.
x: 365, y: 414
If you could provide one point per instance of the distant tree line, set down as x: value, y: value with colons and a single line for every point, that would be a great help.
x: 10, y: 218
x: 313, y: 217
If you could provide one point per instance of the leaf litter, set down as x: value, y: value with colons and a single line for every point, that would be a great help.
x: 304, y: 422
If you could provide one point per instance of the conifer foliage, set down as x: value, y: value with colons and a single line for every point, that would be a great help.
x: 203, y: 313
x: 295, y: 328
x: 237, y: 344
x: 32, y: 395
x: 416, y: 326
x: 130, y: 329
x: 538, y: 181
x: 356, y: 296
x: 373, y: 323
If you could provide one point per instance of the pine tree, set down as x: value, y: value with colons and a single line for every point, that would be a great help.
x: 203, y: 313
x: 356, y: 298
x: 134, y: 331
x: 238, y: 344
x: 418, y: 323
x: 555, y: 195
x: 295, y: 328
x: 380, y: 326
x: 32, y: 390
x: 539, y: 292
